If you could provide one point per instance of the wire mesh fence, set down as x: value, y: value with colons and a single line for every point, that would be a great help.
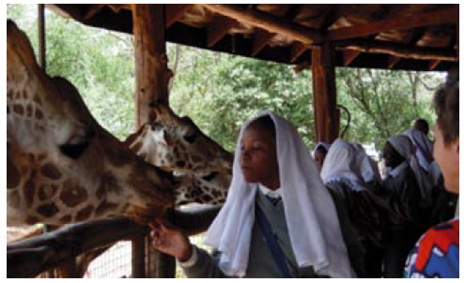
x: 113, y: 263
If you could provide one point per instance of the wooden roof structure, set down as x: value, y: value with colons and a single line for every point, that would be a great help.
x: 420, y: 37
x: 389, y: 36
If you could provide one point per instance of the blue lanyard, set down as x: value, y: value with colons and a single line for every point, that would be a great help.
x: 276, y: 251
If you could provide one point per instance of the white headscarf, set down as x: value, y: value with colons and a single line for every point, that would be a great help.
x: 341, y: 163
x: 313, y: 225
x: 424, y: 147
x: 366, y: 165
x: 405, y: 148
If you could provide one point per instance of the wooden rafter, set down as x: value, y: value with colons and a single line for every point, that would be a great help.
x: 392, y: 62
x: 298, y: 49
x: 349, y: 56
x: 174, y: 12
x: 446, y: 16
x: 260, y: 40
x: 92, y: 11
x: 267, y: 22
x: 401, y: 50
x: 218, y: 29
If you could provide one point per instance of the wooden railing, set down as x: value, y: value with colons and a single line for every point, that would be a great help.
x: 30, y: 257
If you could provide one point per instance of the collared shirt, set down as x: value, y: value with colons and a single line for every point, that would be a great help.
x: 270, y: 193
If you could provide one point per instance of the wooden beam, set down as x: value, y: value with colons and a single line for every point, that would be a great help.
x: 326, y: 114
x: 393, y: 61
x: 42, y: 37
x: 400, y: 50
x: 298, y: 49
x: 92, y: 11
x: 152, y: 73
x: 349, y: 56
x: 267, y: 22
x: 219, y: 27
x: 446, y: 16
x: 434, y: 64
x: 174, y: 12
x: 260, y: 40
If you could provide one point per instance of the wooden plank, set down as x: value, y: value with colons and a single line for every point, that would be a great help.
x: 393, y: 61
x: 298, y: 49
x: 434, y: 64
x: 152, y: 73
x: 326, y: 114
x: 218, y: 28
x: 400, y: 50
x: 92, y: 10
x: 174, y: 12
x: 349, y: 56
x: 446, y: 16
x: 267, y: 22
x: 260, y: 40
x: 42, y: 38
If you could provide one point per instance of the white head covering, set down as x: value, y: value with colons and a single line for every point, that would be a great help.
x: 341, y: 164
x: 313, y: 225
x: 404, y: 146
x: 424, y: 147
x: 366, y: 165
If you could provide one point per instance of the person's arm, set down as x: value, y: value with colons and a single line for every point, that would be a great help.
x: 172, y: 241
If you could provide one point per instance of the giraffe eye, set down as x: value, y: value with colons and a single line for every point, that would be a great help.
x: 190, y: 138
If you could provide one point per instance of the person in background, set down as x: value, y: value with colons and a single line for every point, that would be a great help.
x: 421, y: 125
x: 406, y: 187
x: 344, y: 173
x: 278, y: 220
x: 320, y: 152
x: 436, y: 254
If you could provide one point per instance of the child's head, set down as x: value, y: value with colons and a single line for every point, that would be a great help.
x: 446, y: 146
x: 258, y: 155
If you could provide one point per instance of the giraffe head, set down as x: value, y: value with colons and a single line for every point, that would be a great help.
x: 63, y: 167
x: 176, y: 144
x: 203, y: 168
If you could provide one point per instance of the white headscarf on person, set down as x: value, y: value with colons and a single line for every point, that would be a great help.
x: 341, y: 163
x: 404, y: 146
x: 366, y: 165
x: 424, y: 147
x: 313, y: 225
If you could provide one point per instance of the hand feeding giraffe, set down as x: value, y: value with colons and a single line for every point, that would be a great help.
x: 63, y: 167
x: 203, y: 167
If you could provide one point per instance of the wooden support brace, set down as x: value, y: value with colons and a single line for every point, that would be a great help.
x: 218, y: 29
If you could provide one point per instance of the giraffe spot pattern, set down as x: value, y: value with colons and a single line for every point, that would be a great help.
x: 13, y: 176
x: 31, y: 220
x: 47, y: 191
x: 66, y: 219
x: 48, y: 210
x: 73, y: 194
x: 18, y: 109
x: 38, y: 114
x: 29, y: 189
x: 85, y: 213
x: 105, y: 207
x: 50, y: 171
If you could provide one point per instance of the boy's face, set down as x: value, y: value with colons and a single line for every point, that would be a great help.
x: 447, y: 157
x: 258, y: 157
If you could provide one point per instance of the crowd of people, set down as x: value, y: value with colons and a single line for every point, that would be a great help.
x: 331, y: 214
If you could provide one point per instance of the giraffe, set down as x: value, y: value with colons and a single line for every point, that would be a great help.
x: 63, y: 167
x: 203, y: 168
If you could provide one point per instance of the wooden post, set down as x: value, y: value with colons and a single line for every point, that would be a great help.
x: 152, y: 73
x: 153, y: 78
x: 42, y: 50
x: 326, y: 114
